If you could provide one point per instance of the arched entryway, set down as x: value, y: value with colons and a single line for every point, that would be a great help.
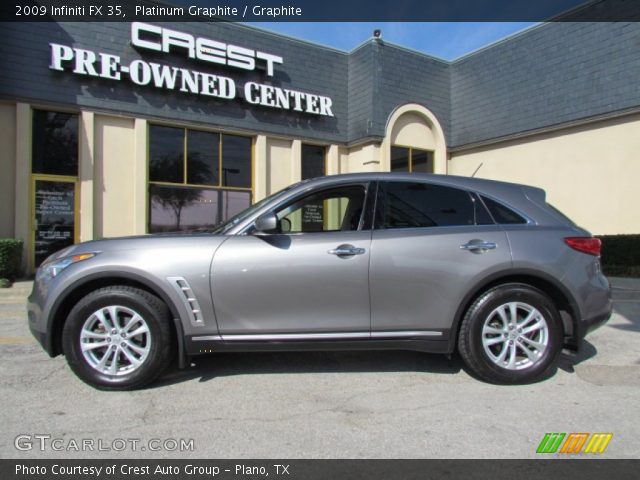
x: 414, y: 141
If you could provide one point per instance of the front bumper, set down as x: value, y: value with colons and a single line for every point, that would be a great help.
x: 41, y: 337
x: 38, y: 324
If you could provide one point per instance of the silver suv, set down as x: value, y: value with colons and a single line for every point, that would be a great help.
x: 364, y: 261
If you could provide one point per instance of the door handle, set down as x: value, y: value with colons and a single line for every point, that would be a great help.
x: 346, y: 250
x: 478, y: 246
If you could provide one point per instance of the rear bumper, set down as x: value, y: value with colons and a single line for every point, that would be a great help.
x: 587, y: 325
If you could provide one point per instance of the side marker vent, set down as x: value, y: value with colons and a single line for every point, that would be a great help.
x: 190, y: 301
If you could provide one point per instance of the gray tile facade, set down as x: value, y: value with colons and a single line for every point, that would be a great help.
x: 26, y: 75
x: 549, y: 75
x: 405, y: 77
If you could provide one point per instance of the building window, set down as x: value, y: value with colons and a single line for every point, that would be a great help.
x: 236, y: 161
x: 313, y: 161
x: 404, y: 159
x: 55, y: 143
x: 197, y: 179
x: 54, y: 168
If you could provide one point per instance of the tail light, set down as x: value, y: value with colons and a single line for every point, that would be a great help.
x: 590, y: 245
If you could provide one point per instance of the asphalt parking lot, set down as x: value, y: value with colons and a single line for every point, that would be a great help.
x: 320, y: 405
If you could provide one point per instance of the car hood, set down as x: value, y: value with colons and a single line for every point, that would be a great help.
x: 145, y: 242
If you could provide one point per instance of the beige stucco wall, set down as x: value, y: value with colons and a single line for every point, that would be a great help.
x: 413, y: 125
x: 279, y: 164
x: 115, y: 171
x: 86, y: 167
x: 343, y: 160
x: 591, y: 172
x: 22, y: 218
x: 140, y: 176
x: 412, y: 130
x: 7, y: 168
x: 362, y: 158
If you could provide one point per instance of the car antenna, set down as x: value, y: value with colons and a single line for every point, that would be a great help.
x: 479, y: 167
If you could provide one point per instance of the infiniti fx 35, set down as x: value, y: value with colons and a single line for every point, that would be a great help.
x: 362, y: 261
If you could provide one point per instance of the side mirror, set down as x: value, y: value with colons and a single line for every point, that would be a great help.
x: 267, y: 223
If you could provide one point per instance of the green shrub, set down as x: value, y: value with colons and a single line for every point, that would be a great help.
x: 10, y: 258
x: 621, y: 255
x: 5, y: 283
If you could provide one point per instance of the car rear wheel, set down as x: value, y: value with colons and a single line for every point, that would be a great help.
x: 511, y: 334
x: 118, y: 338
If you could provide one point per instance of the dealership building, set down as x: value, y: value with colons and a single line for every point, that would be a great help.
x: 111, y: 129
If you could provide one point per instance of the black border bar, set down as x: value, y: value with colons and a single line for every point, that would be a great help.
x: 119, y: 469
x: 321, y: 11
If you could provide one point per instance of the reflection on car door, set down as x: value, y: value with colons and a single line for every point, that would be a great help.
x: 430, y: 244
x: 309, y: 279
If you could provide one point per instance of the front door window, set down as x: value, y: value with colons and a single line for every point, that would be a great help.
x: 334, y: 210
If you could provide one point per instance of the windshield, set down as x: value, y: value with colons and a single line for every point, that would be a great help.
x: 236, y: 219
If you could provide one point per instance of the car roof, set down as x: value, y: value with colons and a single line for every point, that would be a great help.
x: 489, y: 187
x: 526, y: 200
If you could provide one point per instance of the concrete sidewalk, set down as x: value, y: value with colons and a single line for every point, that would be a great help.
x: 13, y: 325
x: 618, y: 356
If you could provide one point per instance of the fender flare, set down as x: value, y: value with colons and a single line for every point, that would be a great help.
x: 510, y: 275
x: 157, y: 290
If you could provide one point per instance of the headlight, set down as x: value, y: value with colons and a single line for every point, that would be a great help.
x: 52, y: 267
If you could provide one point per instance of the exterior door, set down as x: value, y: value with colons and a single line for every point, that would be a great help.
x: 309, y: 279
x: 430, y: 244
x: 55, y: 204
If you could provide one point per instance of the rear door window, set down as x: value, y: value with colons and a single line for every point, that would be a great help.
x: 417, y: 205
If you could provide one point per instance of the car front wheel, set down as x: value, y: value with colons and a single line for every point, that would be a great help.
x: 511, y: 334
x: 118, y: 338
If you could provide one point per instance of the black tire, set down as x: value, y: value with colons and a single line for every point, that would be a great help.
x: 489, y: 366
x: 159, y: 350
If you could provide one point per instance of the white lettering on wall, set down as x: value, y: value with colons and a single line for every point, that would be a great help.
x: 59, y: 54
x: 275, y: 97
x: 160, y: 39
x: 143, y: 73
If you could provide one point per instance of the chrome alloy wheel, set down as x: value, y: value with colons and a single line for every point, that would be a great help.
x: 515, y: 336
x: 115, y: 340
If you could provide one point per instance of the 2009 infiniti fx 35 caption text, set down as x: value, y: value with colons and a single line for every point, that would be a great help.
x: 361, y: 261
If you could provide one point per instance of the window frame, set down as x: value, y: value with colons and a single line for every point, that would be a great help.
x: 185, y: 153
x: 185, y: 129
x: 410, y: 158
x: 370, y: 191
x: 51, y: 177
x: 324, y: 159
x: 48, y: 109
